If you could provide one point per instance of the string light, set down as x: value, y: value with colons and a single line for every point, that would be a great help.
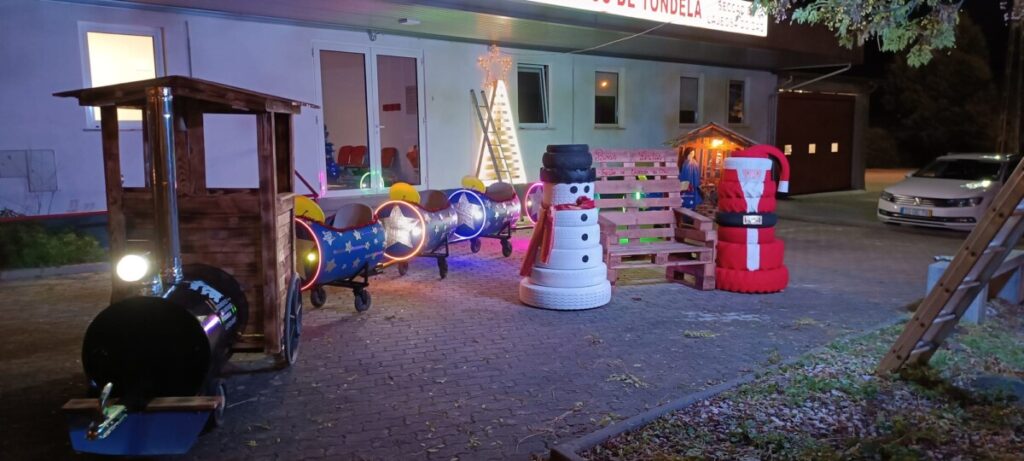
x: 495, y: 64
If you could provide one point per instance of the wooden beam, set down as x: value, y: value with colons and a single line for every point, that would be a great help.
x: 115, y: 199
x: 273, y: 309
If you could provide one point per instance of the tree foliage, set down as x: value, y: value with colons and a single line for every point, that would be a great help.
x: 949, y: 106
x: 919, y: 27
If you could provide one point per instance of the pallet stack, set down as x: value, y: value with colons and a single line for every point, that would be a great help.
x: 749, y: 257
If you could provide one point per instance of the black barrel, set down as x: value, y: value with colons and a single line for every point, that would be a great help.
x: 166, y: 346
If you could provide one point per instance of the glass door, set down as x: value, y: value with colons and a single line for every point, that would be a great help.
x: 371, y: 100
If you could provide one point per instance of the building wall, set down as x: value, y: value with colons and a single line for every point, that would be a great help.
x: 40, y: 55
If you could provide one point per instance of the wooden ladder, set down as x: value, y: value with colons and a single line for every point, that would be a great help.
x: 970, y: 270
x: 495, y: 120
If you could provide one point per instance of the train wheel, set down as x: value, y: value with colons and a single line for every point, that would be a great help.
x: 318, y: 297
x: 292, y: 324
x: 506, y: 248
x: 474, y: 245
x: 219, y: 389
x: 362, y: 300
x: 403, y: 268
x: 442, y: 267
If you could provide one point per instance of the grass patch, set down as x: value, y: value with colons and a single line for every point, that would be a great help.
x: 831, y: 406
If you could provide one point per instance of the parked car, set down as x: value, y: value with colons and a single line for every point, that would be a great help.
x: 950, y: 192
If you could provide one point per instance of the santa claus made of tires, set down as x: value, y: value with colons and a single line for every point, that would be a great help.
x: 749, y: 259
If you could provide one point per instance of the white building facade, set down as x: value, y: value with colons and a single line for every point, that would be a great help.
x: 405, y: 98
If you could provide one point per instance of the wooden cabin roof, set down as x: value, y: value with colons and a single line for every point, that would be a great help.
x: 713, y: 129
x: 218, y: 98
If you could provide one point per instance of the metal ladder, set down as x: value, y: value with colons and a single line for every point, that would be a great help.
x: 496, y: 141
x: 970, y: 270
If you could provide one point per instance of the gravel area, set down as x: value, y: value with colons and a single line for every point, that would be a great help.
x: 830, y: 405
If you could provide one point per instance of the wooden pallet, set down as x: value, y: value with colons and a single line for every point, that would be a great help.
x: 701, y: 277
x: 983, y: 253
x: 639, y: 201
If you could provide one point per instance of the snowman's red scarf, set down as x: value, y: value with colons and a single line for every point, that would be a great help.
x: 543, y: 233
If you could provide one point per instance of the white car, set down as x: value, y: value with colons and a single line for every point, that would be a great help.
x: 950, y: 192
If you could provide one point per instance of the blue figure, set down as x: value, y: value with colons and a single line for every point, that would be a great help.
x: 689, y: 172
x: 333, y: 170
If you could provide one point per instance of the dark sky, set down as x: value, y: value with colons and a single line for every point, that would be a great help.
x: 987, y: 14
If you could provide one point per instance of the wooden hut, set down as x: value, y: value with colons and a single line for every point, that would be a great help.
x: 711, y: 144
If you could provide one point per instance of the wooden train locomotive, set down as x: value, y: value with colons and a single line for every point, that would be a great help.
x: 199, y: 272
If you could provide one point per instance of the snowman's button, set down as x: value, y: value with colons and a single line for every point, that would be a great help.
x: 583, y: 217
x: 586, y: 258
x: 585, y: 237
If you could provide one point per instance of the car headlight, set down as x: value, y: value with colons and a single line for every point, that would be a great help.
x: 966, y: 202
x: 887, y: 196
x: 132, y: 267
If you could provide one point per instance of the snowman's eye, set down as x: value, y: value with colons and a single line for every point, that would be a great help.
x: 574, y: 189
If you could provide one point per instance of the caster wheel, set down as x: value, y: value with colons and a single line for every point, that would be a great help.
x: 318, y: 297
x: 403, y: 268
x: 362, y: 300
x: 506, y: 248
x: 218, y: 389
x: 474, y: 245
x: 442, y: 267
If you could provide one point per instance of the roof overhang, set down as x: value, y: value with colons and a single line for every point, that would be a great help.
x: 524, y: 24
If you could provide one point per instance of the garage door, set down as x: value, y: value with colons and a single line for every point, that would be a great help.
x: 816, y: 132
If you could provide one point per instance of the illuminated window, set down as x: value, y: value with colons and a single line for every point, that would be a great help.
x: 689, y: 100
x: 115, y: 54
x: 532, y: 83
x: 737, y: 101
x: 787, y: 149
x: 812, y: 148
x: 606, y: 98
x: 835, y: 147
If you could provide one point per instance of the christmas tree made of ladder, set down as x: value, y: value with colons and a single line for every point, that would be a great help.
x: 971, y: 269
x: 500, y: 159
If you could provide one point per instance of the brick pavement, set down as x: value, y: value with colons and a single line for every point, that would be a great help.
x: 459, y: 369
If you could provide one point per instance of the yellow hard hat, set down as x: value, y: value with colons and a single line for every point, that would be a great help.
x: 473, y: 182
x: 307, y: 208
x: 404, y: 192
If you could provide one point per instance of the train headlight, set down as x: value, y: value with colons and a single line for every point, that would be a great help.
x: 311, y: 256
x: 132, y: 268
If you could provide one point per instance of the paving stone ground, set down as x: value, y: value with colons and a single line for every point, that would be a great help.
x: 457, y: 368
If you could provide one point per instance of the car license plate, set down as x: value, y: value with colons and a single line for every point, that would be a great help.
x: 916, y: 212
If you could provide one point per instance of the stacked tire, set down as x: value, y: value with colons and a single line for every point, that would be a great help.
x: 749, y: 259
x: 574, y: 277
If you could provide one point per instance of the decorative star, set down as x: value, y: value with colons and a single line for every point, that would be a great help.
x: 328, y: 237
x: 356, y: 262
x: 366, y: 246
x: 348, y: 247
x: 358, y: 235
x: 398, y: 228
x: 466, y: 212
x: 495, y: 65
x: 331, y: 265
x: 375, y: 230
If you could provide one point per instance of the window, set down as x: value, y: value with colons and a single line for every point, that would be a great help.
x: 689, y: 100
x: 737, y: 101
x: 606, y: 98
x: 113, y: 54
x: 533, y: 93
x: 835, y: 147
x: 787, y: 149
x: 812, y: 148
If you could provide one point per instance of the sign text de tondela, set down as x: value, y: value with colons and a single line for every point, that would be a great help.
x: 722, y: 15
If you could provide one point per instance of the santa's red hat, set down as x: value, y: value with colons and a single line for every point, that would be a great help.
x: 767, y: 151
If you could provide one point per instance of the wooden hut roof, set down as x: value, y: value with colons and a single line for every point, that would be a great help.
x: 712, y: 129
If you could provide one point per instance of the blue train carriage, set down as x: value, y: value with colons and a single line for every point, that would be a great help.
x: 343, y: 250
x: 416, y: 225
x: 487, y: 213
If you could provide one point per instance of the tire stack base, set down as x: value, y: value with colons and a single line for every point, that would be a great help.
x: 573, y: 277
x: 749, y: 258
